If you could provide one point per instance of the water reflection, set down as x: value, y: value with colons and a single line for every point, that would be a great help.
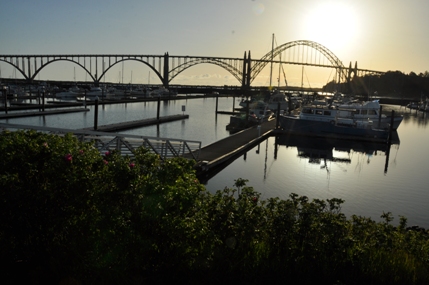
x: 320, y: 151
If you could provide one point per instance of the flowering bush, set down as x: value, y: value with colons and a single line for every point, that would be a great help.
x: 68, y: 210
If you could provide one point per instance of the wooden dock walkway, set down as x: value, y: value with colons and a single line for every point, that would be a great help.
x: 219, y: 154
x: 137, y: 123
x: 41, y: 113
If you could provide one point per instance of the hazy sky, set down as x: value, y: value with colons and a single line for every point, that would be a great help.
x: 379, y: 34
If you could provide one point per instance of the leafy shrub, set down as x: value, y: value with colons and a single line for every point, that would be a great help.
x: 70, y: 212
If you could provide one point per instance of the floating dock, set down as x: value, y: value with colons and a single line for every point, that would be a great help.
x: 214, y: 157
x: 41, y: 113
x: 137, y: 123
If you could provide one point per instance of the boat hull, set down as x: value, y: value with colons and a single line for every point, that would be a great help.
x: 295, y: 125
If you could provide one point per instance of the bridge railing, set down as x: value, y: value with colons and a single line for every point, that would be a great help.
x: 125, y: 144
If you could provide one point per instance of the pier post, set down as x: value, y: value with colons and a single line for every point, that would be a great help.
x: 95, y: 113
x: 379, y: 116
x: 43, y: 101
x: 5, y: 99
x: 158, y: 107
x: 391, y: 126
x: 217, y: 102
x: 278, y: 115
x: 247, y: 109
x: 233, y: 102
x: 38, y: 99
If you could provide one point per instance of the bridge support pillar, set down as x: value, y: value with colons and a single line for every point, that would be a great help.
x: 165, y: 80
x: 249, y: 68
x: 243, y: 79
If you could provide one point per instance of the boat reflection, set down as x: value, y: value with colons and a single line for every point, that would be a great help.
x: 321, y: 150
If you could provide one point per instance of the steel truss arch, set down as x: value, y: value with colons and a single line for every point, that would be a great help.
x: 16, y: 66
x: 226, y: 63
x: 333, y: 59
x: 61, y: 59
x: 133, y: 59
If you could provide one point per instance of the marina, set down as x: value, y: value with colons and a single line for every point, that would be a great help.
x: 363, y: 177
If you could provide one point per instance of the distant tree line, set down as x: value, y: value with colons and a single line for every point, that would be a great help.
x: 390, y: 84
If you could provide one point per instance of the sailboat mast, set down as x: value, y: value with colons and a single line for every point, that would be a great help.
x: 280, y: 65
x: 302, y: 78
x: 272, y: 55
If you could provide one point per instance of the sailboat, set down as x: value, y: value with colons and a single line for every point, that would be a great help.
x: 73, y: 92
x: 277, y: 97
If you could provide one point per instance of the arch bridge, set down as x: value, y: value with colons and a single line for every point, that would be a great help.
x: 168, y: 67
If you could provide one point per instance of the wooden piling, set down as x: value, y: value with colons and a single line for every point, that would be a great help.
x: 5, y: 100
x: 217, y: 103
x: 158, y: 108
x: 379, y: 116
x: 38, y: 99
x: 233, y: 102
x: 391, y: 126
x: 96, y: 113
x: 43, y: 101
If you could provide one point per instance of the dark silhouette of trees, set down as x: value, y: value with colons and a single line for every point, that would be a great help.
x: 391, y: 84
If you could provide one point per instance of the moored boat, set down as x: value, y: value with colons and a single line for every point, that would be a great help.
x: 258, y: 113
x: 330, y: 122
x: 278, y: 98
x: 72, y: 93
x: 162, y: 91
x: 371, y: 110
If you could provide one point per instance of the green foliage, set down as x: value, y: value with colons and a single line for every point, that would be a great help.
x: 69, y: 211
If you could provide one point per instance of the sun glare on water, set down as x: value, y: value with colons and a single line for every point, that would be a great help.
x: 332, y: 24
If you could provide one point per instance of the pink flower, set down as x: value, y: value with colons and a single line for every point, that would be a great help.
x: 255, y: 199
x: 105, y: 162
x: 68, y: 157
x: 132, y: 164
x: 80, y: 151
x: 107, y: 153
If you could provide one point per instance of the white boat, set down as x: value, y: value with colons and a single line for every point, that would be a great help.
x: 162, y: 91
x: 371, y: 110
x: 139, y: 91
x: 333, y: 123
x: 413, y: 105
x: 245, y: 102
x: 72, y: 93
x: 278, y: 98
x: 258, y: 113
x: 94, y: 92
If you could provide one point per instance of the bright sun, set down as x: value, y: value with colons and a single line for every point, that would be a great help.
x: 332, y: 24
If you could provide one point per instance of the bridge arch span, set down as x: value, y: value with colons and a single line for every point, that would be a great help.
x: 229, y: 65
x: 17, y: 68
x: 332, y: 58
x: 61, y: 59
x: 132, y: 59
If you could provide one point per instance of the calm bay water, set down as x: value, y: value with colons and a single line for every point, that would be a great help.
x: 369, y: 178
